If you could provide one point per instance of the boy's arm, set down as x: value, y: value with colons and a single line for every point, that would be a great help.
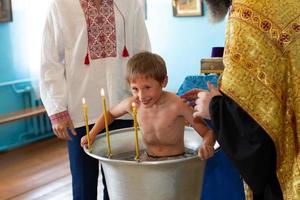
x: 115, y: 112
x: 206, y: 150
x: 199, y: 125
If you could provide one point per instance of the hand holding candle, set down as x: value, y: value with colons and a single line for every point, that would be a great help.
x: 105, y: 122
x: 85, y: 114
x: 135, y: 125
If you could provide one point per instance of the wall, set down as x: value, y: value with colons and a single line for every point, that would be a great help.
x: 13, y: 63
x: 13, y: 56
x: 15, y: 87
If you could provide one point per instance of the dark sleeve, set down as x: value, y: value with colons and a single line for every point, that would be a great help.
x: 246, y: 143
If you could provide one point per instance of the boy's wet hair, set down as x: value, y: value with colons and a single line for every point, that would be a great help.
x: 146, y: 65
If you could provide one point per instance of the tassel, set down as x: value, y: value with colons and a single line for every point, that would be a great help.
x: 87, y: 59
x: 125, y: 52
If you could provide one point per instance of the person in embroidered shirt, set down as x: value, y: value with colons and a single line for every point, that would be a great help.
x: 86, y: 45
x: 256, y: 111
x: 161, y: 114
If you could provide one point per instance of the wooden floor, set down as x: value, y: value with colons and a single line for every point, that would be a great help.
x: 39, y: 171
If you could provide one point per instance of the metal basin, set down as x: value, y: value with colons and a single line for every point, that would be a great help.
x: 178, y: 179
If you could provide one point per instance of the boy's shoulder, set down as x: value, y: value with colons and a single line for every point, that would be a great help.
x: 173, y: 98
x: 175, y: 103
x: 171, y: 95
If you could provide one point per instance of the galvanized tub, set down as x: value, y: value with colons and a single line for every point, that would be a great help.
x: 178, y: 179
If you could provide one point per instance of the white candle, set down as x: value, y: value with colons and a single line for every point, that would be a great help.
x: 85, y: 114
x: 135, y: 125
x: 105, y: 122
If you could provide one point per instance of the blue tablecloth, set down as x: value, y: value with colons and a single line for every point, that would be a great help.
x: 221, y: 179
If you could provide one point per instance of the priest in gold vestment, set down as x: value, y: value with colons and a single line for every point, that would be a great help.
x: 256, y: 111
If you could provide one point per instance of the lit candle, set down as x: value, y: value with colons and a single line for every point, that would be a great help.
x: 85, y: 114
x: 135, y: 125
x: 105, y: 123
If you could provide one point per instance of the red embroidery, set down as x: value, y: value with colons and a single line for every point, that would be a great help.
x: 58, y: 117
x: 247, y: 13
x: 101, y: 28
x: 266, y: 25
x: 284, y: 37
x: 296, y: 27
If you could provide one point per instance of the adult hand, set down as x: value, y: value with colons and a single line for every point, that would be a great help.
x: 204, y: 98
x: 191, y: 96
x: 60, y: 128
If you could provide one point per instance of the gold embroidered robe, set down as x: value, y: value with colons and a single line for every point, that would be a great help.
x: 262, y: 75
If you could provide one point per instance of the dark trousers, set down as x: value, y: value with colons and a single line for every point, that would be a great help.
x: 85, y: 169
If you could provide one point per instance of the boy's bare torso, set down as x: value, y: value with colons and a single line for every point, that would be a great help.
x: 162, y: 126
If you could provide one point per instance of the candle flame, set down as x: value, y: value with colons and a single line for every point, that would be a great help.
x: 83, y: 101
x: 133, y: 104
x: 102, y: 92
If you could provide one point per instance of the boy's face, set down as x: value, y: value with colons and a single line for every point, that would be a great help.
x: 146, y: 90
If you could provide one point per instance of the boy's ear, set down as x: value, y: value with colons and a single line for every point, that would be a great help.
x: 165, y: 82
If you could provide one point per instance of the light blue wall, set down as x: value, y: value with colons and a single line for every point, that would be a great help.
x: 15, y: 89
x: 181, y: 41
x: 13, y: 63
x: 12, y: 60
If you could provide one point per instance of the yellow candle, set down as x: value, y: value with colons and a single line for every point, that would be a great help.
x: 135, y: 125
x: 105, y: 123
x: 85, y: 114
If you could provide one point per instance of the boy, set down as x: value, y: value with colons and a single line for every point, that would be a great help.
x: 161, y: 114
